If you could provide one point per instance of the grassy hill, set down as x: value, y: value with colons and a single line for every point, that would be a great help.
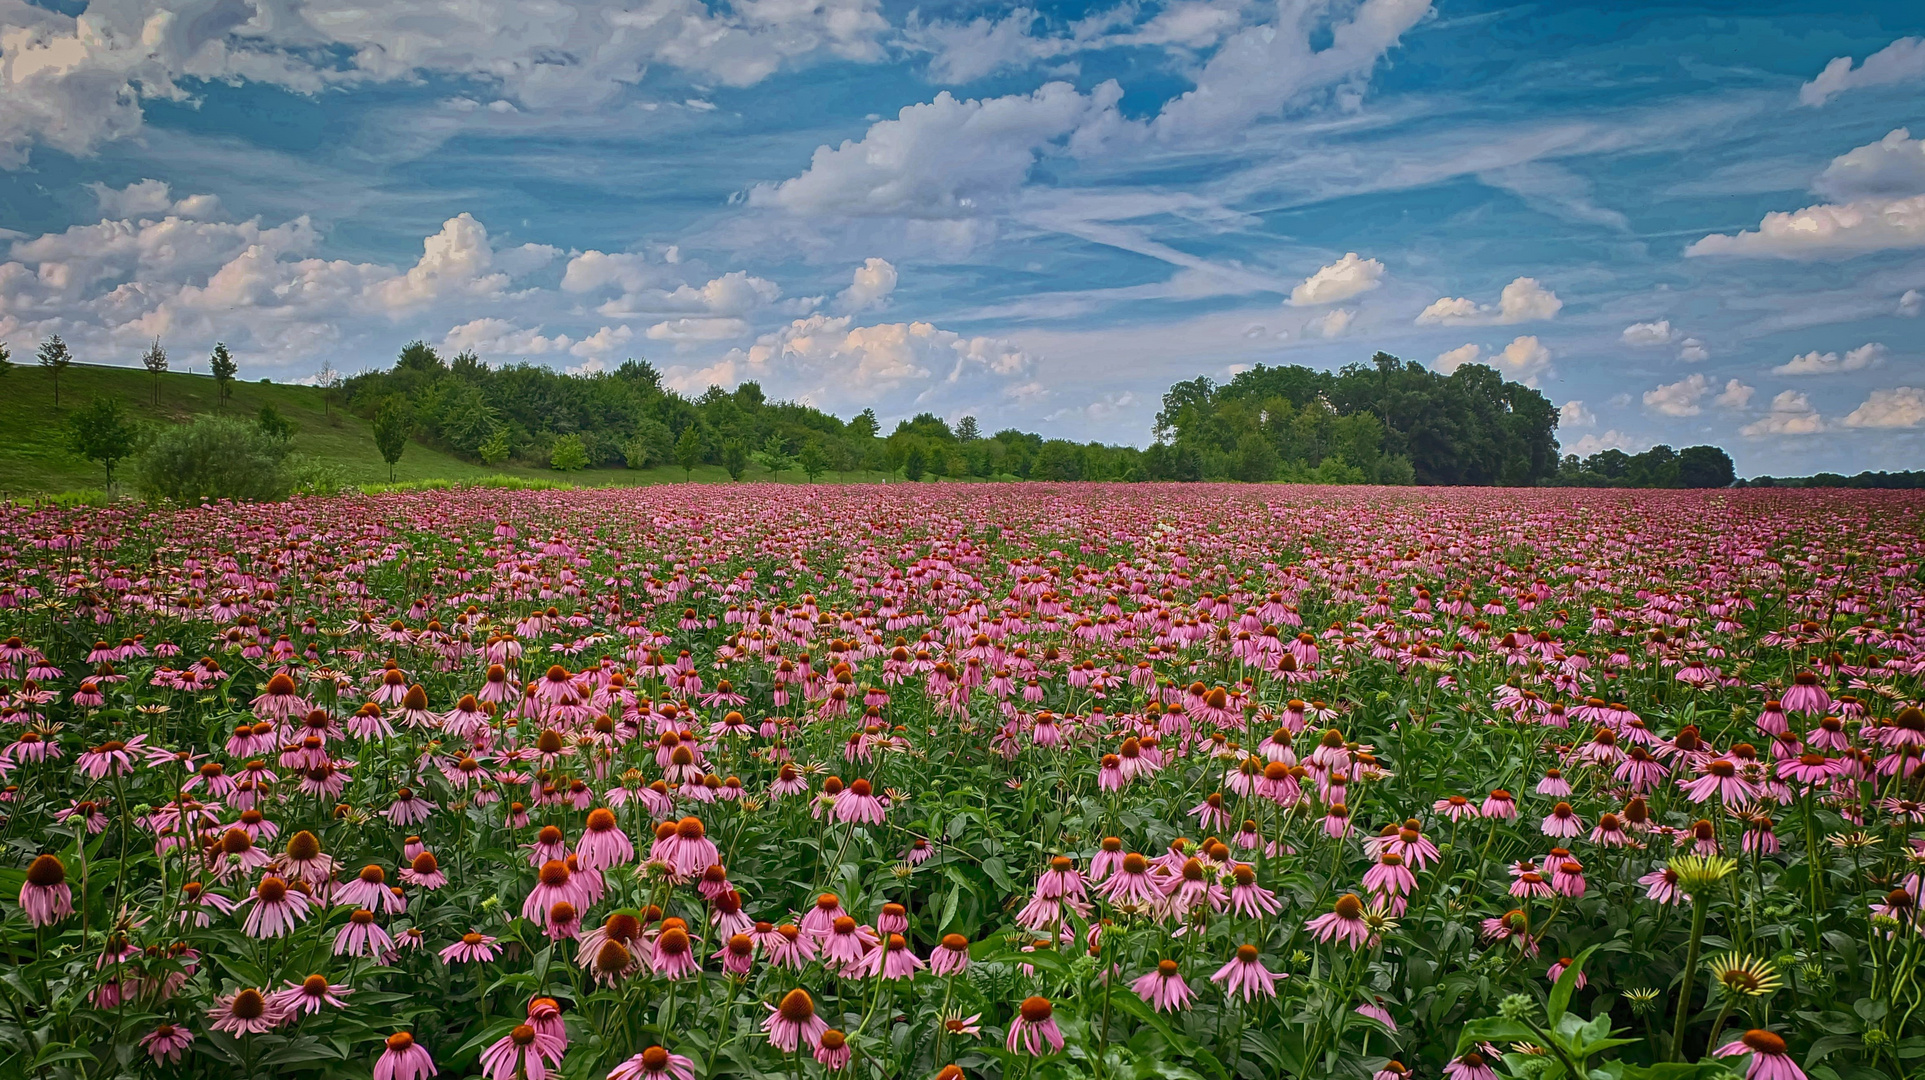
x: 34, y: 459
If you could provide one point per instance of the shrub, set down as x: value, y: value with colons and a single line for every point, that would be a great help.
x: 314, y: 476
x: 214, y: 458
x: 569, y: 455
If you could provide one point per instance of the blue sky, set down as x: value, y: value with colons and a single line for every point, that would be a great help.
x: 1683, y: 223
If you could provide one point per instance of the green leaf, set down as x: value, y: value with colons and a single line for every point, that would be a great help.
x: 1566, y: 984
x: 1493, y: 1029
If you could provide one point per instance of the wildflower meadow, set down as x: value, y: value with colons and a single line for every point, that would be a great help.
x: 987, y: 781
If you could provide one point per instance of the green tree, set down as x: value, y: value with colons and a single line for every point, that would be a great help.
x: 568, y: 455
x: 1705, y: 467
x: 688, y: 451
x: 914, y: 462
x: 221, y: 364
x: 814, y: 460
x: 6, y: 361
x: 774, y: 457
x: 55, y: 357
x: 967, y: 431
x: 393, y: 427
x: 215, y: 457
x: 103, y: 434
x: 865, y: 425
x: 651, y: 444
x: 155, y: 361
x: 275, y: 426
x: 494, y: 449
x: 735, y: 458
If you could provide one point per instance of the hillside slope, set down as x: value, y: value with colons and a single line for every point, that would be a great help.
x: 34, y: 459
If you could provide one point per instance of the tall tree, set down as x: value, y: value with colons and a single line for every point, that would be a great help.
x: 813, y: 459
x: 103, y: 434
x: 393, y: 427
x: 967, y: 431
x: 735, y: 458
x: 6, y: 360
x: 55, y: 357
x: 155, y: 361
x: 222, y: 366
x: 688, y: 451
x: 328, y: 380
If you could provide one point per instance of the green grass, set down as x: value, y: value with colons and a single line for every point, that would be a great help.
x: 35, y: 461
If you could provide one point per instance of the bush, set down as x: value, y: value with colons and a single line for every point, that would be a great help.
x: 214, y: 457
x: 569, y: 455
x: 313, y: 476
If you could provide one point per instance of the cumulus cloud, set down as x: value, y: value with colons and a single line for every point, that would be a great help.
x: 1899, y: 407
x: 1341, y: 280
x: 1600, y: 441
x: 1452, y: 359
x: 1523, y: 300
x: 499, y: 337
x: 734, y: 293
x: 1646, y: 334
x: 1901, y: 61
x: 1817, y: 363
x: 1333, y: 323
x: 1692, y: 351
x: 1524, y: 360
x: 946, y: 158
x: 838, y: 360
x: 1791, y: 414
x: 1573, y: 414
x: 76, y: 81
x: 1735, y: 395
x: 1826, y: 231
x: 454, y: 262
x: 1911, y: 303
x: 697, y: 329
x: 1894, y: 165
x: 1680, y: 398
x: 874, y: 280
x: 150, y: 198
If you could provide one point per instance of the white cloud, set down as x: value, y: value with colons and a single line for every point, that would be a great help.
x: 1791, y: 414
x: 1452, y: 359
x: 151, y: 198
x: 965, y: 52
x: 1523, y: 360
x: 1341, y: 280
x: 1680, y: 398
x: 1892, y: 166
x: 1692, y: 351
x: 946, y: 158
x: 1600, y: 441
x: 1735, y: 395
x: 1827, y: 230
x: 1262, y: 70
x: 454, y: 262
x: 837, y: 360
x: 1900, y: 407
x: 1901, y: 61
x: 1523, y: 300
x: 1817, y: 363
x: 1573, y: 414
x: 1911, y: 303
x: 870, y: 287
x: 1333, y: 322
x: 493, y: 337
x: 592, y: 270
x: 76, y: 82
x: 734, y: 293
x: 698, y: 329
x: 1646, y: 334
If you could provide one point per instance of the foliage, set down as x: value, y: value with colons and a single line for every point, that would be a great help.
x: 774, y: 457
x: 735, y: 458
x: 274, y: 425
x: 814, y: 459
x: 652, y: 444
x: 155, y: 361
x: 568, y: 455
x: 309, y: 475
x: 6, y: 361
x: 103, y: 433
x: 56, y: 358
x: 214, y: 458
x: 394, y: 425
x: 221, y: 365
x: 1660, y: 466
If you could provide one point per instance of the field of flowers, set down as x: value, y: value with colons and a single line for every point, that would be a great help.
x: 966, y: 781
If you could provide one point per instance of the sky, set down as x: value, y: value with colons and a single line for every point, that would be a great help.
x: 1683, y: 222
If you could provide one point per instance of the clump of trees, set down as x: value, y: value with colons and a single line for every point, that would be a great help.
x: 1658, y: 467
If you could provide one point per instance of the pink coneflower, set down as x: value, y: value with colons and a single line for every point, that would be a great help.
x: 111, y: 758
x: 1661, y: 885
x: 1471, y: 1066
x: 898, y: 960
x: 523, y: 1052
x: 951, y: 955
x: 1557, y: 971
x: 673, y: 956
x: 369, y: 889
x: 359, y: 936
x: 1719, y: 777
x: 44, y: 896
x: 166, y: 1042
x: 832, y: 1050
x: 1390, y: 876
x: 851, y: 948
x: 1344, y: 923
x: 1553, y: 784
x: 793, y: 1022
x: 1563, y: 822
x: 1132, y: 884
x: 1164, y: 987
x: 276, y: 909
x: 403, y: 1059
x: 1249, y: 899
x: 654, y: 1063
x: 1770, y: 1058
x: 1567, y: 878
x: 474, y: 947
x: 408, y: 808
x: 1246, y: 975
x: 918, y: 852
x: 737, y: 954
x: 1034, y: 1027
x: 1454, y: 808
x: 789, y: 946
x: 308, y: 996
x: 1378, y: 1013
x: 247, y: 1012
x: 858, y: 805
x: 1499, y: 806
x: 603, y: 844
x: 554, y: 885
x: 1109, y: 858
x: 1806, y: 696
